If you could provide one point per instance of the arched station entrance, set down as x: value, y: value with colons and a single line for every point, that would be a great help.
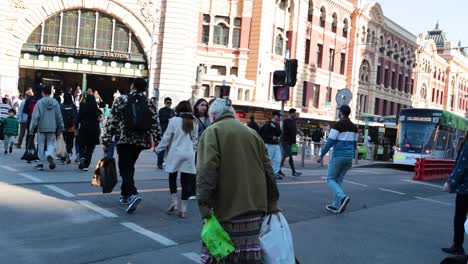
x: 82, y: 48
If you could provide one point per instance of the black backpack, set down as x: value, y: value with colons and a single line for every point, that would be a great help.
x: 68, y: 116
x: 136, y: 115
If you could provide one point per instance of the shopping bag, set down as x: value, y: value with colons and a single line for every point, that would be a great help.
x: 105, y: 175
x: 216, y: 239
x: 30, y: 153
x: 276, y: 240
x: 60, y: 148
x: 294, y: 149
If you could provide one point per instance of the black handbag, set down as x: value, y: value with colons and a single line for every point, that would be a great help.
x: 105, y: 175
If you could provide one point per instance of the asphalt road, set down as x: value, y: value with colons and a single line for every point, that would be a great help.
x: 58, y: 217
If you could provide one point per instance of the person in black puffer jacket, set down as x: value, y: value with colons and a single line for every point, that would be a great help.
x: 271, y: 133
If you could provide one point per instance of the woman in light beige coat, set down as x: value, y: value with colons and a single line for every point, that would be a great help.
x: 180, y: 138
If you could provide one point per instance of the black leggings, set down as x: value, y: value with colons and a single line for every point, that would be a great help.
x: 461, y: 209
x: 185, y: 181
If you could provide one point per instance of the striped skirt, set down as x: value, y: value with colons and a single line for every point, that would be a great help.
x: 244, y: 231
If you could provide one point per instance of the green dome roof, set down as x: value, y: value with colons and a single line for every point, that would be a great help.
x: 439, y: 36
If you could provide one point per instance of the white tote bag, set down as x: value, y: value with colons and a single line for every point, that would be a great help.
x: 276, y: 240
x: 60, y: 147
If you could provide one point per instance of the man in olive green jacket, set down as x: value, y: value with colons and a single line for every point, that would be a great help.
x: 234, y: 173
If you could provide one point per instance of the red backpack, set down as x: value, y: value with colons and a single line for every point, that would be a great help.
x: 32, y: 105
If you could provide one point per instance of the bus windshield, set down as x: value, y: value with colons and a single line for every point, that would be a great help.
x: 416, y: 137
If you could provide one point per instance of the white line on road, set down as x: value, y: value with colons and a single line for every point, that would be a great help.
x: 192, y: 256
x: 155, y: 236
x: 60, y: 190
x: 430, y: 200
x: 355, y: 183
x: 387, y: 190
x: 424, y: 183
x: 32, y: 178
x: 8, y: 168
x: 96, y: 208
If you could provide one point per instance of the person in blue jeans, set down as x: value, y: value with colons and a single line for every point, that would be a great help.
x: 343, y: 138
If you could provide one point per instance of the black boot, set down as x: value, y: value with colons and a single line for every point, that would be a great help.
x: 455, y: 250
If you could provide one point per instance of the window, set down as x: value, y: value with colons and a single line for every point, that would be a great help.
x: 239, y: 94
x: 400, y: 82
x: 247, y: 95
x: 441, y: 97
x: 406, y: 84
x: 69, y: 29
x: 392, y: 106
x: 398, y: 109
x: 121, y: 37
x: 334, y: 23
x: 104, y: 33
x: 279, y: 45
x: 386, y: 77
x: 219, y: 70
x: 307, y: 51
x: 282, y: 4
x: 363, y: 35
x: 368, y: 36
x: 345, y: 28
x: 323, y: 17
x: 412, y: 86
x: 206, y: 29
x: 236, y: 34
x: 329, y: 95
x: 52, y: 31
x: 394, y: 80
x: 451, y: 101
x: 342, y: 63
x: 206, y: 90
x: 364, y: 72
x: 384, y: 111
x: 379, y: 75
x: 304, y: 94
x: 135, y: 46
x: 35, y: 37
x: 310, y: 13
x: 87, y: 26
x: 316, y: 95
x: 433, y: 94
x: 221, y: 34
x: 234, y: 71
x: 331, y: 61
x: 319, y: 55
x: 377, y: 106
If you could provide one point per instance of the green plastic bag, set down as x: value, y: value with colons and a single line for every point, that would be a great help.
x: 216, y: 239
x: 294, y: 149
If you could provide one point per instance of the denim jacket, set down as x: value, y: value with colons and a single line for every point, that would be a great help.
x: 458, y: 180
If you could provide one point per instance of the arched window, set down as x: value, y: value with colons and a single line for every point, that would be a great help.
x: 345, y: 28
x: 108, y: 35
x: 247, y: 95
x: 310, y: 13
x: 334, y: 23
x: 408, y: 57
x: 368, y: 36
x: 221, y: 34
x: 364, y: 71
x: 389, y: 48
x: 279, y: 45
x: 239, y: 94
x: 396, y: 55
x: 402, y: 54
x: 382, y: 44
x: 363, y: 34
x: 423, y: 92
x: 323, y: 17
x: 373, y: 39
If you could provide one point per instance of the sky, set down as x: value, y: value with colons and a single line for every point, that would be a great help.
x: 419, y: 16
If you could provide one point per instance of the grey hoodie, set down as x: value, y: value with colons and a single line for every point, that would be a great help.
x: 47, y: 116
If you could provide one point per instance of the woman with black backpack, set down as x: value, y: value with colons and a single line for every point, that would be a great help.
x: 88, y: 121
x: 69, y: 115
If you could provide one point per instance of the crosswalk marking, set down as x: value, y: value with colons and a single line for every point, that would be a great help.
x: 155, y: 236
x: 192, y: 256
x: 96, y: 208
x: 32, y: 178
x: 60, y: 190
x: 8, y: 168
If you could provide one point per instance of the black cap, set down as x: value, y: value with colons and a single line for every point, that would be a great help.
x: 345, y: 110
x: 292, y: 110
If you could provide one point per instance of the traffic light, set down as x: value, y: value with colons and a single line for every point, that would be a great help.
x: 290, y: 67
x: 224, y: 91
x: 279, y: 77
x: 281, y: 92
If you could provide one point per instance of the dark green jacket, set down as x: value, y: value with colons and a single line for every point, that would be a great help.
x: 10, y: 126
x: 234, y: 173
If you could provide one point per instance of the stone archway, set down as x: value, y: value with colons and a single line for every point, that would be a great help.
x: 18, y: 33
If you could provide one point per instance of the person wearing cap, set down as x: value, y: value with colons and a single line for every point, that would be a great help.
x: 343, y: 139
x: 271, y: 133
x: 288, y: 138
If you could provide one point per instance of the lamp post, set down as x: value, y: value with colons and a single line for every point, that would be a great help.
x: 152, y: 17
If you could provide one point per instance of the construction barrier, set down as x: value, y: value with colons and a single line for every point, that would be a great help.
x: 432, y: 169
